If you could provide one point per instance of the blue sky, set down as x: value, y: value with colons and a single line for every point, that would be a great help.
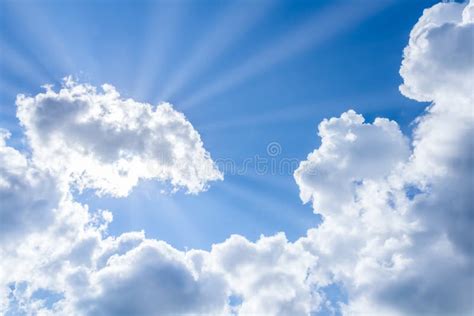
x: 245, y: 74
x: 377, y: 215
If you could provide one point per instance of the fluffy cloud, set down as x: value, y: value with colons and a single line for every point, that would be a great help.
x: 150, y: 279
x: 107, y: 143
x: 443, y: 155
x: 396, y: 231
x: 438, y: 61
x: 329, y: 177
x: 270, y: 276
x: 134, y: 275
x: 29, y: 197
x: 405, y: 230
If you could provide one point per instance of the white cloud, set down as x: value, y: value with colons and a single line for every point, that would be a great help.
x: 42, y: 231
x: 330, y: 177
x: 270, y: 275
x: 28, y: 196
x: 401, y: 242
x: 108, y: 143
x: 151, y: 279
x: 396, y: 232
x: 438, y: 61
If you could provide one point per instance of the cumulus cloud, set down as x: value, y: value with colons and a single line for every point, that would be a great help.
x: 107, y: 143
x: 270, y: 276
x: 28, y: 197
x: 438, y: 63
x: 151, y: 279
x: 329, y: 177
x: 405, y: 233
x: 397, y: 217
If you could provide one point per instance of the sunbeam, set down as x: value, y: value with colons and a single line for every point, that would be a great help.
x: 268, y: 208
x: 224, y: 33
x: 236, y: 157
x: 285, y: 114
x: 21, y: 66
x: 163, y: 24
x: 34, y: 27
x: 321, y: 26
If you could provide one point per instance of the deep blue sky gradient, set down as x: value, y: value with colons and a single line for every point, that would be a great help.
x: 281, y: 66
